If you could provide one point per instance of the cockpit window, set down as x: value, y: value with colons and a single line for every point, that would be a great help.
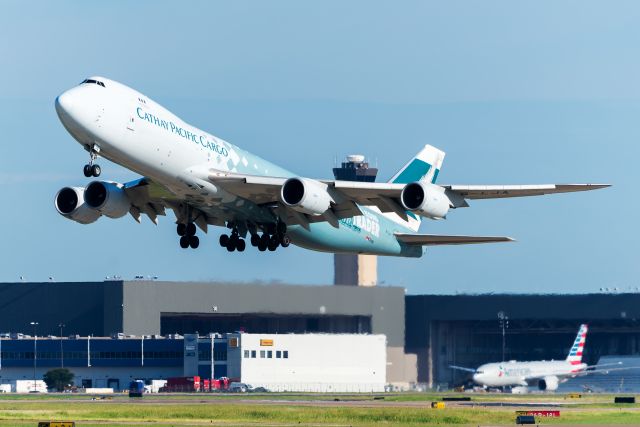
x: 91, y: 81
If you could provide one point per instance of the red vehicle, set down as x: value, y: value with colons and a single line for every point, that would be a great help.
x: 221, y: 384
x: 206, y: 385
x: 182, y: 384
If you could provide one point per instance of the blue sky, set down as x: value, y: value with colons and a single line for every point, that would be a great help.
x: 514, y: 92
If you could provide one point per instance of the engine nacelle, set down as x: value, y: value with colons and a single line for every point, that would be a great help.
x: 305, y: 195
x: 70, y: 204
x: 549, y: 383
x: 425, y: 199
x: 107, y: 198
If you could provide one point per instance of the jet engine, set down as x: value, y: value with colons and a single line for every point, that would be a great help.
x: 70, y: 204
x: 549, y: 383
x: 107, y: 198
x: 305, y: 195
x: 425, y: 199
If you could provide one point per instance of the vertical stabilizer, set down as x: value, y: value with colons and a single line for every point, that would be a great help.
x: 575, y: 354
x: 425, y: 166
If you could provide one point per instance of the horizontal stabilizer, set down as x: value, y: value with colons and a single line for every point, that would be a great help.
x: 436, y: 240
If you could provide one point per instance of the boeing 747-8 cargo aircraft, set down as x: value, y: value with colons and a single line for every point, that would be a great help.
x: 207, y: 181
x: 543, y: 374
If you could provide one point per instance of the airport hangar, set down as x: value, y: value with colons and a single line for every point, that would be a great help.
x: 157, y: 308
x: 424, y: 333
x: 466, y: 330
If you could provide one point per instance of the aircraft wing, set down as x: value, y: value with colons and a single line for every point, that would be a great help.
x: 462, y: 368
x: 261, y: 189
x: 603, y: 365
x: 437, y: 240
x: 605, y: 368
x: 458, y: 193
x: 564, y: 374
x: 385, y: 196
x: 147, y: 198
x: 151, y: 198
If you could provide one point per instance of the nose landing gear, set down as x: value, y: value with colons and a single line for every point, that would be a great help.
x: 91, y: 169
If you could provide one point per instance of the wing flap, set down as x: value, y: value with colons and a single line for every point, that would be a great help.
x: 258, y: 189
x: 438, y: 240
x: 147, y: 198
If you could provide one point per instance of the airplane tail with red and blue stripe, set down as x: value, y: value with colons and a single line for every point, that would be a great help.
x: 575, y: 354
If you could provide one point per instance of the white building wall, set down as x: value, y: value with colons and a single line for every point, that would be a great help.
x: 316, y: 362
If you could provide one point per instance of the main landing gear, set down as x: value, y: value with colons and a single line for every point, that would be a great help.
x: 270, y: 239
x: 91, y: 169
x: 233, y: 242
x: 187, y: 233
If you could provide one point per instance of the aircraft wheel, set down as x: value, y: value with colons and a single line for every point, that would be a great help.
x: 241, y: 245
x: 264, y: 239
x: 181, y: 229
x: 255, y: 240
x: 87, y: 170
x: 273, y: 243
x: 232, y: 244
x: 194, y: 242
x: 224, y: 240
x: 285, y: 241
x: 191, y: 229
x: 262, y: 247
x: 184, y: 242
x: 96, y: 170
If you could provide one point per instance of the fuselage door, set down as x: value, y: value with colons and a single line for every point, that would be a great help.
x: 139, y: 106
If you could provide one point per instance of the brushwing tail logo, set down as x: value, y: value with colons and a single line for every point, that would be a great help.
x: 575, y: 354
x: 425, y: 166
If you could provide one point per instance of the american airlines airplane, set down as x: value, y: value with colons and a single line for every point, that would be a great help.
x: 544, y: 374
x: 207, y: 181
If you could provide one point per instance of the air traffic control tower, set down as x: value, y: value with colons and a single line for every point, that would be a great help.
x: 355, y: 270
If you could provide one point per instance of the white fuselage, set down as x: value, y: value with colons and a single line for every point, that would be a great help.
x: 134, y: 131
x: 130, y: 129
x: 513, y: 373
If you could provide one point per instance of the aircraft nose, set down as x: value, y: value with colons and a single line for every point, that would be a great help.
x: 64, y: 104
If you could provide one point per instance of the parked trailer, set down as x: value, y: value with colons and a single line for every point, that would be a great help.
x: 182, y: 384
x: 28, y: 386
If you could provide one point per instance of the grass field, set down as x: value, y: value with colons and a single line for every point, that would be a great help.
x: 302, y: 410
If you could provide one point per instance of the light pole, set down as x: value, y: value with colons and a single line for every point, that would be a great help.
x: 212, y: 336
x: 35, y: 352
x: 61, y: 325
x: 504, y: 324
